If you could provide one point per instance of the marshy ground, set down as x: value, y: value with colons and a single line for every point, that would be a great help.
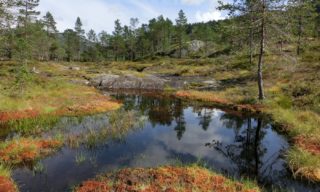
x: 52, y: 116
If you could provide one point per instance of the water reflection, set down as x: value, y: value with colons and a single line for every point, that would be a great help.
x: 235, y: 145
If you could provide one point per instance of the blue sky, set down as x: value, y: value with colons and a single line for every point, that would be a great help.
x: 101, y: 14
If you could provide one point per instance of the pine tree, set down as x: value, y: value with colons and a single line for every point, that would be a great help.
x: 133, y: 37
x: 27, y: 13
x: 51, y: 36
x: 117, y: 40
x: 49, y: 23
x: 302, y: 14
x: 80, y: 36
x: 92, y: 36
x: 104, y: 44
x: 71, y: 44
x: 261, y: 15
x: 91, y: 52
x: 181, y: 23
x: 6, y: 32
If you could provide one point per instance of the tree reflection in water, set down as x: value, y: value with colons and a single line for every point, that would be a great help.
x: 162, y: 111
x: 247, y: 151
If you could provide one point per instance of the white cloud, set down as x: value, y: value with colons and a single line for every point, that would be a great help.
x: 213, y: 15
x: 192, y: 2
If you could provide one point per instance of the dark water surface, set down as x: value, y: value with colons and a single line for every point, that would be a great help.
x: 173, y: 132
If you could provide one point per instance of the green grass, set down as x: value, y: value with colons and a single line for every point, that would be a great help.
x: 80, y: 158
x: 304, y: 164
x: 5, y: 171
x: 32, y: 126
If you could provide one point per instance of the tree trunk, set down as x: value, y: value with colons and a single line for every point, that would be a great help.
x: 180, y: 47
x: 251, y: 39
x: 299, y: 35
x: 262, y: 44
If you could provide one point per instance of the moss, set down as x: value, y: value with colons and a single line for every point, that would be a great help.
x: 304, y: 164
x: 20, y: 150
x: 49, y: 93
x: 188, y: 178
x: 6, y: 183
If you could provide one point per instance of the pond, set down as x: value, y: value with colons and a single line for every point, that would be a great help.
x: 169, y: 131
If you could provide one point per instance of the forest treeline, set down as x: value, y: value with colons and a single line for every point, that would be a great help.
x: 27, y: 35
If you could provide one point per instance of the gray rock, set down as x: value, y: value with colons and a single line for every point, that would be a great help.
x: 176, y: 53
x: 149, y: 82
x: 34, y: 70
x: 80, y: 81
x: 191, y: 47
x: 74, y: 68
x: 196, y: 45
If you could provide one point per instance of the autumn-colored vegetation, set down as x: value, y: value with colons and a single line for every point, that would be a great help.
x: 169, y: 179
x: 7, y: 185
x: 23, y: 150
x: 50, y: 92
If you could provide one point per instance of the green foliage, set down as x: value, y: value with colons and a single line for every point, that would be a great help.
x: 5, y: 171
x: 33, y: 125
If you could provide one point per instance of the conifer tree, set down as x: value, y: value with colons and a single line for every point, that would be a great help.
x: 80, y: 36
x: 27, y: 13
x: 181, y: 23
x: 50, y: 24
x: 302, y: 13
x: 117, y: 40
x: 6, y: 32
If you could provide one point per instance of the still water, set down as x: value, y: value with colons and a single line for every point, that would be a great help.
x: 171, y: 132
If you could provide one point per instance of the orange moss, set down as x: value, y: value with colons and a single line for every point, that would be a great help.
x: 17, y: 115
x: 80, y: 105
x: 7, y: 185
x: 96, y: 104
x: 169, y: 179
x: 94, y: 186
x: 26, y: 150
x: 307, y: 144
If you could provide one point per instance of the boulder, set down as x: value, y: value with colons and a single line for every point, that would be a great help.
x: 189, y: 49
x: 108, y: 81
x: 195, y: 46
x: 74, y: 68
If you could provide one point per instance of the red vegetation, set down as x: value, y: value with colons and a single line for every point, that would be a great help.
x: 26, y: 150
x: 6, y: 185
x: 16, y: 115
x: 308, y: 144
x: 90, y: 105
x: 94, y: 186
x: 168, y: 179
x: 97, y: 104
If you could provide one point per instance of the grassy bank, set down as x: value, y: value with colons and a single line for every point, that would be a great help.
x: 26, y: 150
x: 48, y: 91
x: 171, y: 179
x: 6, y: 183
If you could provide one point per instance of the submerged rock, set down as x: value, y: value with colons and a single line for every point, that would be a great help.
x: 108, y: 81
